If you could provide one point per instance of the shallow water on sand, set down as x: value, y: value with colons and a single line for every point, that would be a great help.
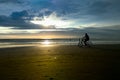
x: 4, y: 43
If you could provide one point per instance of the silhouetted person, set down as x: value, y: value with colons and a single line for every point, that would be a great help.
x: 85, y: 39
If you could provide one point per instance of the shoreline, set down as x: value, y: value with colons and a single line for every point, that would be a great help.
x: 35, y: 45
x: 66, y: 49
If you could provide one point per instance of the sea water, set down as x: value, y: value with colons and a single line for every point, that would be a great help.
x: 36, y: 42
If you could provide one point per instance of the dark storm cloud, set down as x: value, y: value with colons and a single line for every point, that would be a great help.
x: 17, y: 21
x: 10, y: 1
x: 19, y: 15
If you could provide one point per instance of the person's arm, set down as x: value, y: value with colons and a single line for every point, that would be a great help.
x: 83, y: 38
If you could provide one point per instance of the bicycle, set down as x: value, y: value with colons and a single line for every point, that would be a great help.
x: 82, y: 44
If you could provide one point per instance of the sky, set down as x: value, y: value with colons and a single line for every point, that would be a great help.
x: 59, y: 19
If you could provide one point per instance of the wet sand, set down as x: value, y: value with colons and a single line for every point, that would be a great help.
x: 101, y: 62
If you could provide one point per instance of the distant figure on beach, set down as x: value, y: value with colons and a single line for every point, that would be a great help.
x: 85, y: 39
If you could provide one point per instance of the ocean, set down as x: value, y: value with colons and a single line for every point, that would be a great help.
x: 4, y: 43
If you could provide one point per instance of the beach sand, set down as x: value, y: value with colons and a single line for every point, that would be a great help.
x: 100, y: 62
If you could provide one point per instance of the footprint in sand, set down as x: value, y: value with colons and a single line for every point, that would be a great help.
x: 51, y: 78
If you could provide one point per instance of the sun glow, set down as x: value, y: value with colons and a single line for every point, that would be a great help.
x: 46, y: 42
x: 51, y: 20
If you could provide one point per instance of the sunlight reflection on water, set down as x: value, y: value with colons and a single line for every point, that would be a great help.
x: 46, y: 43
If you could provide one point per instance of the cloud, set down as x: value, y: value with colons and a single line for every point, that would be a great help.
x: 98, y: 7
x: 10, y: 1
x: 81, y: 12
x: 9, y: 6
x: 87, y: 11
x: 17, y: 21
x: 100, y: 33
x: 19, y: 15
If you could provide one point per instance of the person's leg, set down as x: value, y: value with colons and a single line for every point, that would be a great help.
x: 85, y: 42
x: 80, y: 43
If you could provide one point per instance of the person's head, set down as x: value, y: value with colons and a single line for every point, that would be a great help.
x: 85, y: 33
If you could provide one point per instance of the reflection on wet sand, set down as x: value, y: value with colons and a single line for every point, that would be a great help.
x: 59, y: 63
